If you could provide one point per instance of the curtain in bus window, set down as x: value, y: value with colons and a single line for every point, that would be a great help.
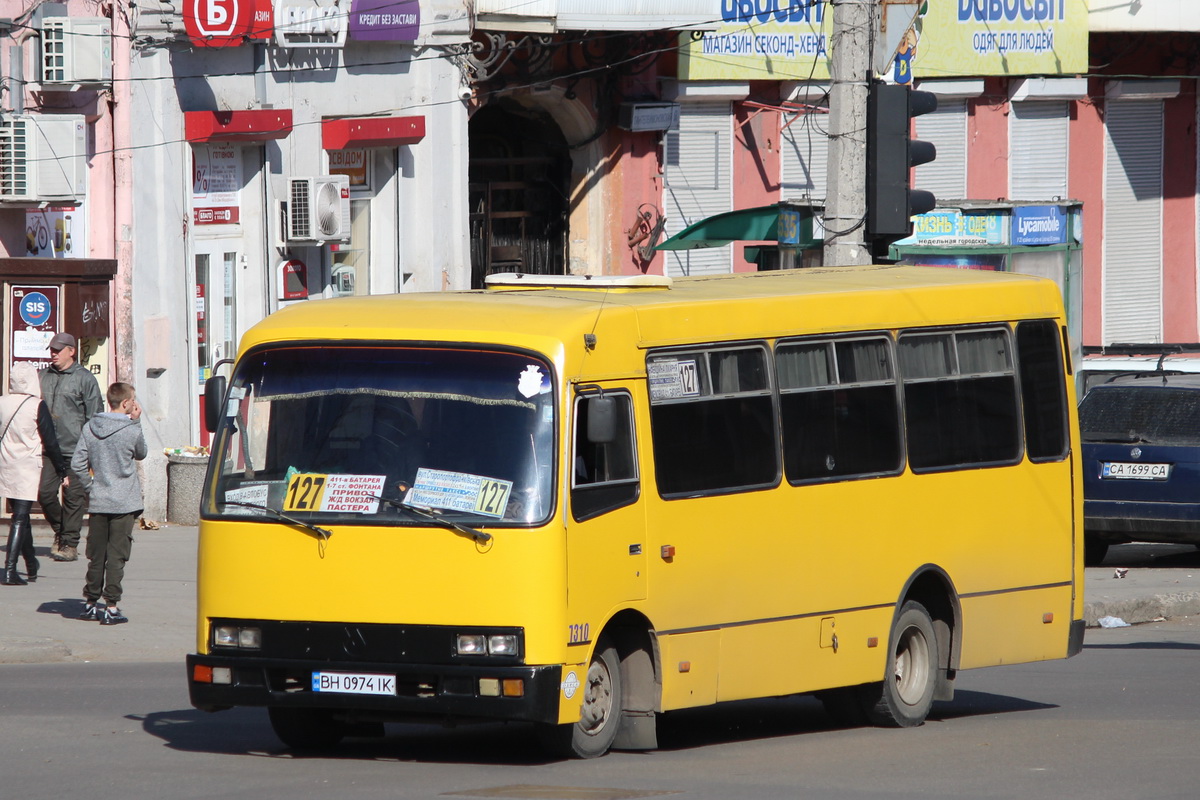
x: 926, y: 356
x: 803, y: 366
x: 860, y: 361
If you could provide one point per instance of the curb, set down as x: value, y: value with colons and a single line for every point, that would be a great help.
x: 38, y: 650
x: 1148, y: 608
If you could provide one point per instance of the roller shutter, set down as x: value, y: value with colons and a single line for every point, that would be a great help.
x: 1038, y: 147
x: 946, y: 175
x: 1133, y: 221
x: 698, y: 184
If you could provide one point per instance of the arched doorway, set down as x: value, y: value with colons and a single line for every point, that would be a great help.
x: 518, y: 170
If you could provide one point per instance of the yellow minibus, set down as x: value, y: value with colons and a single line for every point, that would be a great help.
x: 584, y: 502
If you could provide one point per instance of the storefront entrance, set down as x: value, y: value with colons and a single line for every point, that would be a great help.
x: 519, y: 168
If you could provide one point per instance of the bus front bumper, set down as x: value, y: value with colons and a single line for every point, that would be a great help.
x: 527, y: 693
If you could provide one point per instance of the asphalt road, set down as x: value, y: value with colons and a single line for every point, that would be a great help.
x: 1117, y: 721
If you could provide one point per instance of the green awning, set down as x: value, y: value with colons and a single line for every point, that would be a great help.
x: 744, y: 225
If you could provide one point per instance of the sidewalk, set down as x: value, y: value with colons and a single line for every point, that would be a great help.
x: 38, y: 624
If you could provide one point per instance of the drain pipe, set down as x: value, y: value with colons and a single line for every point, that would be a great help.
x: 122, y: 317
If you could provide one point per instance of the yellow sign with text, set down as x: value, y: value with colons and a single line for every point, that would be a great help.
x: 790, y: 40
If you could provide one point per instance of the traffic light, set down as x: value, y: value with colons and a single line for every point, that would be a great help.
x: 891, y: 155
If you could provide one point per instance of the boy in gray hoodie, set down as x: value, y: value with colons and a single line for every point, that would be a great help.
x: 104, y: 463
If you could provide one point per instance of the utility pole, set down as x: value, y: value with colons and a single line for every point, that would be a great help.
x: 854, y: 23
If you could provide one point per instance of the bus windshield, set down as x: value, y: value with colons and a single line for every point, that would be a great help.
x: 387, y: 435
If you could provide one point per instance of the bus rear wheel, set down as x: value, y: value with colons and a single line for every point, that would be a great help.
x: 600, y: 715
x: 906, y: 694
x: 306, y: 728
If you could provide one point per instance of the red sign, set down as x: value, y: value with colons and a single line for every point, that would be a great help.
x: 227, y: 23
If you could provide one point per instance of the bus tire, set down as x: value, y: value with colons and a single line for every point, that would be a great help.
x: 906, y: 694
x: 599, y: 716
x: 306, y: 728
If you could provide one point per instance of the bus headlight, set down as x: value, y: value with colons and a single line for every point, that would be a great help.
x: 246, y: 638
x: 502, y: 645
x: 482, y: 644
x: 471, y: 644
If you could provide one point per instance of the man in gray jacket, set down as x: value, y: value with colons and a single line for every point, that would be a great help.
x: 104, y: 465
x: 72, y: 394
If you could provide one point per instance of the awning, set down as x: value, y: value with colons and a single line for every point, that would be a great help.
x: 760, y: 224
x: 340, y: 134
x: 253, y: 125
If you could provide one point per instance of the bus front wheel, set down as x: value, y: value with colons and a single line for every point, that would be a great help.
x: 906, y: 694
x: 306, y: 728
x: 600, y: 715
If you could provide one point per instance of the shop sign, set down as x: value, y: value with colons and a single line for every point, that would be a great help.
x: 35, y: 321
x: 951, y: 227
x: 310, y: 23
x: 1001, y: 37
x: 1034, y: 225
x: 790, y: 40
x: 216, y: 184
x: 385, y: 20
x: 226, y: 23
x: 760, y: 40
x: 352, y: 163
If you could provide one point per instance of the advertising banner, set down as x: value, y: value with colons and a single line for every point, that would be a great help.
x: 385, y: 20
x: 34, y: 315
x: 216, y: 184
x: 790, y: 39
x: 951, y: 227
x: 1033, y: 225
x: 761, y: 40
x: 1000, y: 37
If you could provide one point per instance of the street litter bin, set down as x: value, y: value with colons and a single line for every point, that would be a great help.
x: 185, y: 475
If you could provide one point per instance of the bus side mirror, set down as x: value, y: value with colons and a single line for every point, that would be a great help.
x: 214, y: 400
x: 602, y: 420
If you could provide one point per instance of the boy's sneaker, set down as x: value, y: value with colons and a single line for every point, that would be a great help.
x: 91, y: 613
x: 113, y: 616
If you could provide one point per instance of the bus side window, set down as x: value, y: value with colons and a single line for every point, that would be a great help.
x: 1043, y: 392
x: 605, y: 473
x: 960, y: 398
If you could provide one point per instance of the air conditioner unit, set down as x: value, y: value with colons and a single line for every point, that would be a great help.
x: 43, y: 159
x: 76, y: 51
x: 318, y: 209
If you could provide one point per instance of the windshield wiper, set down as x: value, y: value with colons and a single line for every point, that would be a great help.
x: 279, y: 515
x: 481, y: 537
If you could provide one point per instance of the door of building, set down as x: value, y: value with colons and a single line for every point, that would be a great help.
x: 215, y: 289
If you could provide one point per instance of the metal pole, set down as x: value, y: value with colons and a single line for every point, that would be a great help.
x: 850, y: 72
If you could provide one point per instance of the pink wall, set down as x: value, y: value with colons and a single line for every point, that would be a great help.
x: 987, y: 142
x: 1179, y: 216
x: 638, y: 179
x: 756, y: 161
x: 1085, y: 182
